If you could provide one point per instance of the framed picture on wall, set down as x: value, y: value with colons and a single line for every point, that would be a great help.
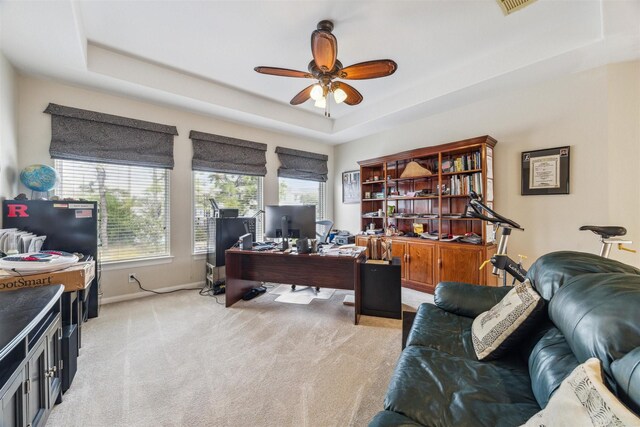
x: 351, y: 187
x: 545, y: 171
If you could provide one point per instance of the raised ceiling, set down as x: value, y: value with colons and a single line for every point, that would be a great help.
x: 199, y: 55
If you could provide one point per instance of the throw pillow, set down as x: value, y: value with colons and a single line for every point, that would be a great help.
x: 495, y: 331
x: 583, y: 400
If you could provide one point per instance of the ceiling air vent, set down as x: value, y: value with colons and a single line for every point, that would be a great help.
x: 510, y: 6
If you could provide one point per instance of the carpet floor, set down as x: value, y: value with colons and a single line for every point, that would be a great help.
x: 183, y: 360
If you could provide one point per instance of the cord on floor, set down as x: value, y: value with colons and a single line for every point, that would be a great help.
x: 204, y: 291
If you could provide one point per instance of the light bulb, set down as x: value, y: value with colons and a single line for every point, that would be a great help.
x: 339, y: 95
x: 321, y: 102
x: 316, y: 92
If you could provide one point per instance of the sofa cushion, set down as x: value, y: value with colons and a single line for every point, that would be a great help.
x: 466, y: 299
x: 599, y: 316
x: 553, y: 270
x: 584, y: 400
x: 496, y: 331
x: 626, y: 372
x: 550, y: 362
x: 435, y: 388
x: 441, y: 330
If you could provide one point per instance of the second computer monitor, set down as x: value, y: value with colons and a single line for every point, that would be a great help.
x: 299, y: 221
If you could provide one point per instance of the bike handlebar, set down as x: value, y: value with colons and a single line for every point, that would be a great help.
x: 476, y: 212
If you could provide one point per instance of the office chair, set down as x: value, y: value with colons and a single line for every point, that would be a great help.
x: 323, y: 228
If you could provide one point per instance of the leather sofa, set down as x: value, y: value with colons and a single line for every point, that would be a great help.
x: 592, y: 310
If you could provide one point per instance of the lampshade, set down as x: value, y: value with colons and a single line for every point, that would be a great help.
x: 339, y: 95
x: 316, y: 92
x: 321, y: 102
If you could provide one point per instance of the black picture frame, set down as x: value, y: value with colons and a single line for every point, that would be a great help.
x: 545, y: 171
x: 351, y: 187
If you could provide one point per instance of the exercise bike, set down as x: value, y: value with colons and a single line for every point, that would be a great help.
x: 500, y: 261
x: 608, y: 237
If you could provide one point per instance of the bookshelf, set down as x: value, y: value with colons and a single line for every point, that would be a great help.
x: 426, y: 191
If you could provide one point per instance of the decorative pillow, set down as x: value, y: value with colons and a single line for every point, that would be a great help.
x: 583, y: 400
x: 494, y: 331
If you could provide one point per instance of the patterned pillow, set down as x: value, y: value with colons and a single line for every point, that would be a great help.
x: 583, y: 400
x: 495, y: 331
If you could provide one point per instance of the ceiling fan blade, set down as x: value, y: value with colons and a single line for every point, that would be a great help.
x: 324, y: 48
x: 283, y: 72
x: 353, y: 96
x: 302, y: 96
x: 369, y: 70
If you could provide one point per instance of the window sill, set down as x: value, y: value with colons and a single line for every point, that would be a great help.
x: 144, y: 262
x: 199, y: 256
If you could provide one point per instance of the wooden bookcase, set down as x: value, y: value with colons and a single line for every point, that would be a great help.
x: 437, y: 200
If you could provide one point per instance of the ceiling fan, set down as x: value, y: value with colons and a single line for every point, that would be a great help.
x: 326, y: 68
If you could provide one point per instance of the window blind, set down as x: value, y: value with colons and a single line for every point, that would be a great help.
x: 217, y: 153
x: 133, y: 206
x: 90, y: 136
x: 303, y: 192
x: 242, y: 192
x: 300, y: 164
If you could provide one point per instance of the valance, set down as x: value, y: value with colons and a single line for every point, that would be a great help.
x: 217, y: 153
x: 302, y: 164
x: 98, y: 137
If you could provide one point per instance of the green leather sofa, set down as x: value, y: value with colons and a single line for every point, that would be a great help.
x: 593, y: 310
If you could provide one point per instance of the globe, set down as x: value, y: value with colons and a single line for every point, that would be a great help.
x: 39, y: 177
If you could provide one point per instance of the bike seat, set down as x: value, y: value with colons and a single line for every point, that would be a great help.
x: 606, y: 231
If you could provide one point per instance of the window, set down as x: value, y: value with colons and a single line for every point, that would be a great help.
x: 133, y: 206
x: 302, y: 192
x: 242, y: 192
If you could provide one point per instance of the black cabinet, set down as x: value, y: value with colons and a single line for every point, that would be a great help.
x: 30, y: 355
x: 381, y: 290
x: 13, y: 401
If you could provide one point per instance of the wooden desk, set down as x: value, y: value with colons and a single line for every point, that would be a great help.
x: 247, y: 269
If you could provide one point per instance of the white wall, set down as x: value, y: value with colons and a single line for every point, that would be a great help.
x: 596, y: 112
x: 8, y: 131
x: 35, y: 135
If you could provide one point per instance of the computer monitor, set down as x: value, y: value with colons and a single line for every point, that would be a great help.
x: 290, y: 221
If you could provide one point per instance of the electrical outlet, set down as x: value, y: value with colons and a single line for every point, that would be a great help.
x: 132, y: 278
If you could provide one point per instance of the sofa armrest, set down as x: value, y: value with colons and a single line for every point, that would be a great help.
x: 392, y: 419
x: 468, y: 300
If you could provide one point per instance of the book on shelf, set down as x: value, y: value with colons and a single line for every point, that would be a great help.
x: 463, y: 184
x: 465, y: 162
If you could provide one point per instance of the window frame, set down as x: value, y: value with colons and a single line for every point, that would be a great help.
x: 159, y: 258
x: 259, y: 218
x: 321, y: 208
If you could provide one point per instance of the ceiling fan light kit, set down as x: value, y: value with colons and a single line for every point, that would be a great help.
x: 326, y: 68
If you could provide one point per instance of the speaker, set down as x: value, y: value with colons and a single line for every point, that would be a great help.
x: 69, y: 355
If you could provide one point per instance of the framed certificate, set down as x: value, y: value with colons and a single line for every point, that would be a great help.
x: 545, y: 171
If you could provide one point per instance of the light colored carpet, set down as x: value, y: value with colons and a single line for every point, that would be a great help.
x: 183, y: 360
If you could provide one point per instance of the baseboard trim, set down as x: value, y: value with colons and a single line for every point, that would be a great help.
x: 143, y: 294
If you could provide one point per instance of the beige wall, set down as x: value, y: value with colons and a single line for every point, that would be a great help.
x: 35, y: 134
x: 8, y: 131
x: 596, y: 112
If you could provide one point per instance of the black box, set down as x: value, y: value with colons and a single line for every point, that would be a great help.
x: 381, y: 290
x: 69, y: 355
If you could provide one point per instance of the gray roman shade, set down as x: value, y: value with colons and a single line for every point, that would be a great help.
x: 216, y: 153
x: 97, y: 137
x: 302, y: 164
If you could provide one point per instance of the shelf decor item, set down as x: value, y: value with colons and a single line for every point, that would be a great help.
x: 414, y: 170
x: 545, y: 171
x: 351, y: 187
